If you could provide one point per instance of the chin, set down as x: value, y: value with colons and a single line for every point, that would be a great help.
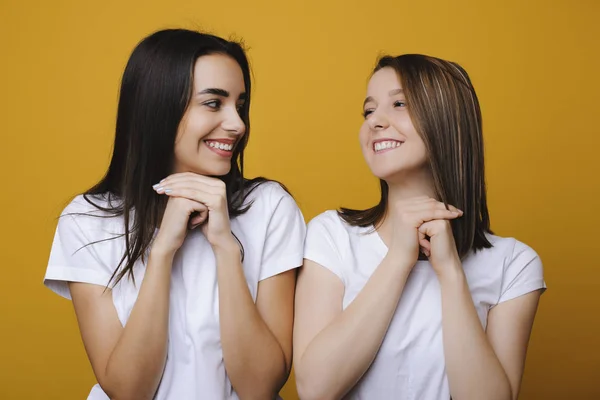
x: 210, y: 171
x: 401, y: 173
x: 385, y: 173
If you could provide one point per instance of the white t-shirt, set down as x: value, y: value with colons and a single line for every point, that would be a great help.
x: 410, y: 363
x: 272, y: 232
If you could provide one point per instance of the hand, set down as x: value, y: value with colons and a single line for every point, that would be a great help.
x: 440, y: 248
x: 176, y: 221
x: 212, y: 214
x: 412, y: 214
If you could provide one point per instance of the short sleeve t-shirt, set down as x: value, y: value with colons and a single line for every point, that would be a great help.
x: 272, y: 233
x: 410, y: 363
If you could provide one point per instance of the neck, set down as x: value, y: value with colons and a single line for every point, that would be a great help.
x: 402, y: 188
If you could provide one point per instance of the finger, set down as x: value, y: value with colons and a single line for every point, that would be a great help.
x: 192, y: 177
x: 168, y: 186
x: 198, y: 220
x: 430, y: 215
x: 198, y: 217
x: 198, y: 195
x: 431, y: 205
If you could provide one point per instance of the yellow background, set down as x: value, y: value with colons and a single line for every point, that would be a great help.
x: 535, y: 65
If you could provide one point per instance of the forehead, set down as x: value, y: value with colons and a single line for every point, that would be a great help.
x: 384, y: 80
x: 218, y: 71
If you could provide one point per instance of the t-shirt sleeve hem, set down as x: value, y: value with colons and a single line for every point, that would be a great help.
x: 280, y: 265
x: 523, y: 290
x: 323, y: 261
x: 57, y: 277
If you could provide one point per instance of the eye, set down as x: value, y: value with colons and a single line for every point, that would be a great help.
x: 240, y: 107
x: 367, y: 112
x: 399, y: 103
x: 213, y: 104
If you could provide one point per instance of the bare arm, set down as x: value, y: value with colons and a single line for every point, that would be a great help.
x: 480, y: 366
x: 256, y: 338
x: 334, y: 348
x: 127, y: 361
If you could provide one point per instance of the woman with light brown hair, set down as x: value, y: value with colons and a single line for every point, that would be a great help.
x: 415, y: 298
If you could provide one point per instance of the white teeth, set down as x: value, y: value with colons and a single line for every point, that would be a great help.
x: 389, y: 144
x: 221, y: 146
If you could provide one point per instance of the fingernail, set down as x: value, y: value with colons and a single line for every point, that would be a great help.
x: 155, y: 187
x: 159, y: 189
x: 162, y: 180
x: 167, y: 191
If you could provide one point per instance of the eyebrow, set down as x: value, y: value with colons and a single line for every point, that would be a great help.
x: 390, y: 93
x: 220, y: 92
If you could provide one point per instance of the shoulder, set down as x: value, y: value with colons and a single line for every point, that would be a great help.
x: 520, y: 267
x: 330, y: 224
x: 89, y: 213
x: 266, y: 191
x: 89, y: 205
x: 509, y: 249
x: 329, y: 219
x: 267, y: 197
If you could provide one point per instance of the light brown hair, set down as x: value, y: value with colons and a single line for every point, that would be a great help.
x: 444, y: 109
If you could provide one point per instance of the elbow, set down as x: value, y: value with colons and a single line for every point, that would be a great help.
x: 313, y: 388
x: 124, y: 394
x: 125, y: 391
x: 256, y: 392
x: 306, y: 393
x: 253, y: 391
x: 263, y: 383
x: 504, y: 392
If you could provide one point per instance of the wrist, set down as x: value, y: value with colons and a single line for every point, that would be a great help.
x: 401, y: 262
x: 160, y: 258
x: 228, y: 247
x: 451, y: 274
x: 403, y: 258
x: 163, y: 245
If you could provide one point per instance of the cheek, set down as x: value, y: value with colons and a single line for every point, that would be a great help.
x: 198, y: 124
x: 408, y: 128
x: 363, y: 136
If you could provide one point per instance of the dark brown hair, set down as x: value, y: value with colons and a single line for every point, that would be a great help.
x: 155, y: 92
x: 445, y: 111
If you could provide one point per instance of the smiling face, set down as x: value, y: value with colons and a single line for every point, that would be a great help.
x: 211, y: 126
x: 390, y: 143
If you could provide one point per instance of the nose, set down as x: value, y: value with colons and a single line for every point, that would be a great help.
x: 378, y: 121
x: 233, y: 123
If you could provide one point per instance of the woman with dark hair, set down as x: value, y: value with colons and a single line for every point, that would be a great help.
x: 181, y: 270
x: 415, y: 298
